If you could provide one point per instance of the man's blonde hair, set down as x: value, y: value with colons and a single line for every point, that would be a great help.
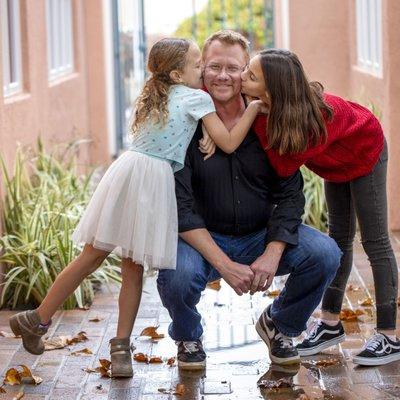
x: 229, y: 37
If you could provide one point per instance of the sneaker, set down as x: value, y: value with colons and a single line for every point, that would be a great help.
x: 191, y: 355
x: 321, y: 336
x: 280, y: 347
x: 27, y: 324
x: 378, y: 350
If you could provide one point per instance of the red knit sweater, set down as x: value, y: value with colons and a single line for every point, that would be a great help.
x: 355, y: 141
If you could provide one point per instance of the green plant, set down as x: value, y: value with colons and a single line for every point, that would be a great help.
x: 315, y: 211
x: 44, y: 199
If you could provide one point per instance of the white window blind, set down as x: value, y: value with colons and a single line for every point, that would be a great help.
x: 59, y: 37
x: 369, y: 35
x: 11, y: 46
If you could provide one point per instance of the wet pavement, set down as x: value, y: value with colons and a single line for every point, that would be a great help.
x: 238, y: 366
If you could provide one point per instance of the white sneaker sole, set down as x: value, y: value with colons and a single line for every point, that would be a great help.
x: 322, y: 346
x: 277, y: 360
x: 192, y: 366
x: 376, y: 361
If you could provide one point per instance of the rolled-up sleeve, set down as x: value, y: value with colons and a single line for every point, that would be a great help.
x: 188, y: 219
x: 288, y: 196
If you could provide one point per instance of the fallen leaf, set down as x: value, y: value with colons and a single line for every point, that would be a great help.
x: 303, y: 396
x: 350, y: 315
x: 56, y: 342
x: 2, y: 390
x: 272, y: 293
x: 367, y: 302
x: 155, y: 360
x: 323, y: 363
x: 27, y: 376
x: 171, y: 361
x: 13, y: 377
x: 9, y: 335
x: 89, y: 370
x: 140, y: 357
x: 214, y: 285
x: 18, y: 396
x: 97, y: 319
x: 82, y: 351
x: 353, y: 288
x: 105, y: 363
x: 151, y: 331
x: 80, y: 337
x: 104, y: 368
x: 280, y: 383
x: 179, y: 390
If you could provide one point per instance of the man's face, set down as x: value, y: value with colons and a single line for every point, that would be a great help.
x: 223, y: 64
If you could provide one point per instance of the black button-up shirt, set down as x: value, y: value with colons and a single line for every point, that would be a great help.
x: 239, y: 193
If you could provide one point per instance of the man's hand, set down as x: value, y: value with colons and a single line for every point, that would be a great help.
x: 265, y: 267
x: 238, y: 276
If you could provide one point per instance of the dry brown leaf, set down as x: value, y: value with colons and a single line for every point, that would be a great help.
x: 367, y: 302
x: 104, y: 368
x: 8, y: 335
x: 353, y: 288
x: 303, y: 396
x: 19, y: 396
x: 80, y: 337
x: 140, y: 357
x: 272, y: 293
x: 280, y: 383
x: 151, y: 331
x: 326, y: 363
x: 82, y: 351
x: 97, y: 319
x: 90, y: 370
x: 350, y: 315
x: 179, y: 390
x: 2, y: 390
x: 155, y: 360
x: 171, y: 361
x: 13, y: 377
x: 56, y: 342
x: 214, y: 285
x: 27, y: 376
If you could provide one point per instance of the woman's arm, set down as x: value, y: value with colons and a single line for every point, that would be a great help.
x: 229, y: 141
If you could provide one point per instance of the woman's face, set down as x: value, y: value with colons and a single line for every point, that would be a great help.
x: 253, y: 81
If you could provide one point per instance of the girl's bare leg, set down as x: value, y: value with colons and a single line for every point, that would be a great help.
x: 129, y: 297
x: 69, y: 279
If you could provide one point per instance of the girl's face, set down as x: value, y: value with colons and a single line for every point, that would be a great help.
x: 253, y: 80
x: 192, y: 74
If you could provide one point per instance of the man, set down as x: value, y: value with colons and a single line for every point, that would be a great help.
x: 238, y: 220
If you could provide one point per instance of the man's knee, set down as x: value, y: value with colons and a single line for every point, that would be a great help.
x: 328, y: 254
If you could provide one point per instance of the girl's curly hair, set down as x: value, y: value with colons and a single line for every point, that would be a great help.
x: 152, y: 104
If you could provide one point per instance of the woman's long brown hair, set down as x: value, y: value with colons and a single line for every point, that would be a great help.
x: 152, y: 104
x: 298, y: 112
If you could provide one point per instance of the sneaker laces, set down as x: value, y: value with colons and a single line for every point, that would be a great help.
x: 313, y: 328
x: 286, y: 342
x: 373, y: 342
x: 190, y: 347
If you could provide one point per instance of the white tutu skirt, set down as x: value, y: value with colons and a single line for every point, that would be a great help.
x: 133, y: 212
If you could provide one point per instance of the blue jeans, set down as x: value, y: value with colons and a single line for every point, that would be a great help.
x: 311, y: 266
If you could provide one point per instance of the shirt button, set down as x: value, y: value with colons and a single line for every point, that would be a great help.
x: 238, y: 201
x: 236, y: 177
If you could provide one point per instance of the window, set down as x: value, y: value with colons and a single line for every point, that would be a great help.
x: 59, y: 37
x: 11, y: 46
x: 369, y: 35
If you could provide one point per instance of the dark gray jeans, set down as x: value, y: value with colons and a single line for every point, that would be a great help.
x: 364, y: 198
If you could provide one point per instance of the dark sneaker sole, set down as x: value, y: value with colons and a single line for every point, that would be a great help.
x: 192, y: 366
x: 323, y: 346
x: 277, y: 360
x: 369, y: 361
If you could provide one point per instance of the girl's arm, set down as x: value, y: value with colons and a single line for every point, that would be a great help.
x: 229, y: 141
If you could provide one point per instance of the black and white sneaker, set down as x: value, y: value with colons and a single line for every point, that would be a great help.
x: 378, y: 350
x: 191, y: 355
x: 281, y: 349
x: 321, y: 336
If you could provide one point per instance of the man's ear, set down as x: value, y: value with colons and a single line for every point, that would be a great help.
x: 175, y: 76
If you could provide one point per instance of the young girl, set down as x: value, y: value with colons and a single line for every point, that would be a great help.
x: 133, y: 210
x: 342, y: 142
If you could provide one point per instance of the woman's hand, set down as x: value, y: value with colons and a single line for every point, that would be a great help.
x: 206, y: 144
x: 260, y: 105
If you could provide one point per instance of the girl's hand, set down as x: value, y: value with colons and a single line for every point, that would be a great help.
x: 206, y: 144
x: 260, y: 105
